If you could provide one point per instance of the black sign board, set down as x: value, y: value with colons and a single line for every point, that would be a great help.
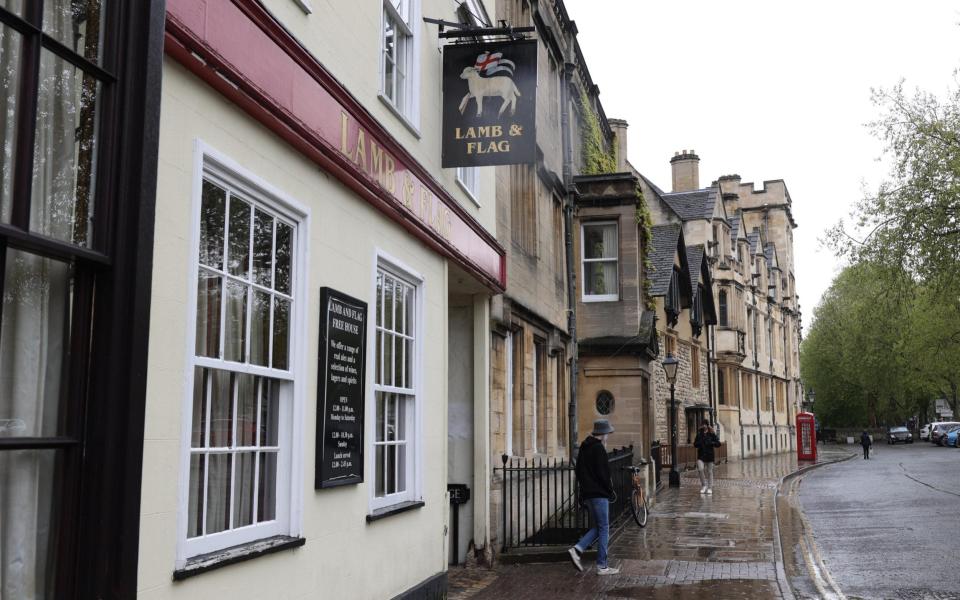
x: 343, y: 330
x: 489, y: 103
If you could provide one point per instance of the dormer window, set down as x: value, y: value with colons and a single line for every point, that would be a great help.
x: 696, y: 312
x: 672, y: 304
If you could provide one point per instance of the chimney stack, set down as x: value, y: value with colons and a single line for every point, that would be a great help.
x: 619, y: 127
x: 686, y: 171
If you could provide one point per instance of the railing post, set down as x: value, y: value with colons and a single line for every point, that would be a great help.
x: 503, y: 501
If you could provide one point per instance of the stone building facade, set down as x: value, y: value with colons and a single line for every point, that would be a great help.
x: 531, y: 343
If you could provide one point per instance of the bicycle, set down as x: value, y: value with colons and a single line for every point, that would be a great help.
x: 638, y: 498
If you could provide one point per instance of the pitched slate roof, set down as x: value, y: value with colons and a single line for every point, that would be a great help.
x: 770, y: 252
x: 694, y: 205
x: 694, y: 259
x: 663, y: 249
x: 754, y: 238
x: 735, y: 226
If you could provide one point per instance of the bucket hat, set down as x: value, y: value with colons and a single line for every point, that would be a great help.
x: 601, y: 427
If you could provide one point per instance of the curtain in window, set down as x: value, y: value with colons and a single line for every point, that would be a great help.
x: 33, y: 347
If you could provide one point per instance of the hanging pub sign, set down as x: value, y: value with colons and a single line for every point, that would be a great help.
x: 489, y: 103
x: 343, y: 326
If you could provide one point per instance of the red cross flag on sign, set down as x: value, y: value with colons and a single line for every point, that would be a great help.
x: 487, y: 64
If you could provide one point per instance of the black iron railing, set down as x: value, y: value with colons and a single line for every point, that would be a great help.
x: 657, y: 461
x: 540, y: 501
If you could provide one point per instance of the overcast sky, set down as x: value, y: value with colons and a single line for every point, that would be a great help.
x: 768, y: 90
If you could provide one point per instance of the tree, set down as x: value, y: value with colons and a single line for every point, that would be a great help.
x: 913, y: 222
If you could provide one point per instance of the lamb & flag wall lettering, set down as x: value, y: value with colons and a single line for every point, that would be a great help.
x: 489, y: 103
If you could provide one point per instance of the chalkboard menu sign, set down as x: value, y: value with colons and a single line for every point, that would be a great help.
x: 343, y: 327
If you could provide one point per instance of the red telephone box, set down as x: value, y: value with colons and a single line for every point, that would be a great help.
x: 806, y: 437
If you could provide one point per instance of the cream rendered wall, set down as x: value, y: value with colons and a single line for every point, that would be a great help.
x: 344, y: 234
x: 345, y: 37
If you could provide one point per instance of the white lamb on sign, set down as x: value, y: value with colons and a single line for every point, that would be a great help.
x: 489, y: 86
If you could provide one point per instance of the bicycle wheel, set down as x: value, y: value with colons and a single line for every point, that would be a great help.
x: 638, y: 505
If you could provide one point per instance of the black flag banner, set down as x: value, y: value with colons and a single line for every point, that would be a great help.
x: 489, y: 103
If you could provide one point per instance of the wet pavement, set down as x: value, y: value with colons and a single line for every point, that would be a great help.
x: 887, y: 528
x: 723, y: 546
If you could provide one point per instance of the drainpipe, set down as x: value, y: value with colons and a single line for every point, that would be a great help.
x: 568, y: 69
x: 756, y: 369
x: 773, y: 407
x: 713, y: 401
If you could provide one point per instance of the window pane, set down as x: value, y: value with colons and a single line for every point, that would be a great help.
x: 388, y: 365
x: 238, y: 257
x: 600, y: 278
x: 218, y: 492
x: 14, y: 6
x: 195, y: 505
x: 380, y: 476
x: 77, y: 24
x: 212, y: 207
x: 381, y: 415
x: 221, y: 409
x: 262, y: 248
x: 9, y: 86
x: 391, y: 417
x: 29, y: 516
x: 267, y: 494
x: 408, y: 364
x: 400, y: 318
x: 398, y: 370
x: 260, y: 329
x: 389, y: 53
x: 246, y: 410
x: 283, y: 258
x: 600, y: 241
x: 379, y: 300
x: 208, y: 315
x: 377, y: 350
x: 401, y: 467
x: 234, y: 347
x: 408, y: 304
x: 199, y: 421
x: 243, y: 489
x: 391, y: 469
x: 281, y: 333
x: 388, y: 302
x: 401, y: 410
x: 34, y: 343
x: 64, y: 157
x: 269, y: 412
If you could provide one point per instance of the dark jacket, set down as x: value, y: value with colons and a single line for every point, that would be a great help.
x: 705, y: 443
x: 593, y: 470
x: 865, y: 440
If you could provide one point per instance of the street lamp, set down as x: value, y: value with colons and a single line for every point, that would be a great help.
x: 670, y: 365
x: 811, y: 395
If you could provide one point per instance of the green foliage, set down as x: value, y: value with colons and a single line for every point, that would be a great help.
x: 913, y: 222
x: 880, y: 348
x: 886, y: 337
x: 597, y: 159
x: 645, y: 221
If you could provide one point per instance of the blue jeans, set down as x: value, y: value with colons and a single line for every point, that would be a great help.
x: 600, y: 515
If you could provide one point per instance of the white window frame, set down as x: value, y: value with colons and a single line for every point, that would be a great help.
x: 584, y: 260
x: 407, y: 104
x: 414, y: 491
x: 468, y: 178
x: 218, y: 167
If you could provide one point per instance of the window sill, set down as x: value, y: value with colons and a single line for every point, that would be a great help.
x: 394, y: 509
x: 604, y: 298
x: 403, y: 118
x: 234, y: 554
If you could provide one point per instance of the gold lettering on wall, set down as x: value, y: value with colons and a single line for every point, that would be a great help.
x: 344, y: 122
x: 361, y: 150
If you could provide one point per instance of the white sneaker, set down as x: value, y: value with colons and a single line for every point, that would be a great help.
x: 703, y: 490
x: 710, y: 491
x: 575, y: 557
x: 608, y: 570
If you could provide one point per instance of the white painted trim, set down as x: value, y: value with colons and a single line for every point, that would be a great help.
x: 411, y: 116
x: 473, y: 195
x: 304, y: 6
x: 385, y: 261
x: 208, y: 162
x: 584, y: 297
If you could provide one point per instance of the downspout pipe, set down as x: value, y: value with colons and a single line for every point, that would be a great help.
x: 756, y: 369
x: 566, y: 138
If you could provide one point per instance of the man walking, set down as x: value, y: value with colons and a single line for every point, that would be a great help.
x: 705, y: 442
x: 866, y: 442
x: 596, y: 492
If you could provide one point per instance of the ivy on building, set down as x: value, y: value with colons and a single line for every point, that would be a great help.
x: 597, y: 159
x: 645, y: 220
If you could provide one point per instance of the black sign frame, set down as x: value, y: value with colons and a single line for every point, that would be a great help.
x: 341, y: 391
x: 505, y: 132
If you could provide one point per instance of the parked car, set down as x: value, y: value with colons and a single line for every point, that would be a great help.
x: 899, y: 435
x: 925, y: 432
x: 937, y: 430
x: 952, y: 438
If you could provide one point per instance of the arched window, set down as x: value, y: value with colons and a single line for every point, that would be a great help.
x: 723, y: 308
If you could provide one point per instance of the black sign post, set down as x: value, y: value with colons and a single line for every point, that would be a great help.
x: 489, y: 103
x: 343, y: 330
